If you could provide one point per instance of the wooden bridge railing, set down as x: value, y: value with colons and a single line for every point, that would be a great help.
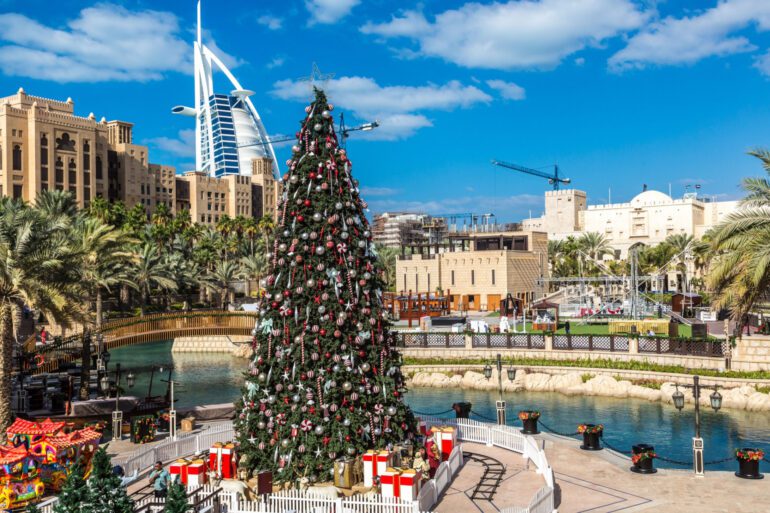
x: 139, y: 330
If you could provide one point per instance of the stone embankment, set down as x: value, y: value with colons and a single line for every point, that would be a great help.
x: 213, y: 344
x: 576, y: 383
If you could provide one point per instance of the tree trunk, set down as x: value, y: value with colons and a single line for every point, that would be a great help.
x: 201, y: 294
x: 144, y: 302
x: 247, y: 286
x: 17, y: 321
x: 6, y: 366
x: 85, y: 368
x: 124, y: 296
x: 98, y: 308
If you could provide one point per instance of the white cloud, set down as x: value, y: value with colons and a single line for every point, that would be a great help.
x: 378, y: 191
x: 504, y: 206
x: 690, y: 39
x: 397, y: 108
x: 513, y: 34
x: 762, y: 63
x: 508, y: 90
x: 105, y: 42
x: 329, y: 11
x: 181, y: 146
x: 277, y: 62
x: 270, y: 21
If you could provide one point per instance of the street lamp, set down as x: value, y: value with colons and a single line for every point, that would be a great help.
x: 500, y: 404
x: 117, y: 415
x: 172, y: 410
x: 716, y: 403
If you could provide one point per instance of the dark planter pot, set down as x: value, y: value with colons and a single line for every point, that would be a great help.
x: 530, y: 426
x: 644, y: 466
x: 748, y: 469
x: 591, y: 440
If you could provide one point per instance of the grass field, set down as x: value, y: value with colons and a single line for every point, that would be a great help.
x: 597, y: 329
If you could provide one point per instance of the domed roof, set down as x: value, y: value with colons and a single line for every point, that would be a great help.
x: 651, y: 198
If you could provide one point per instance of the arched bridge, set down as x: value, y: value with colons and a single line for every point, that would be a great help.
x: 138, y: 330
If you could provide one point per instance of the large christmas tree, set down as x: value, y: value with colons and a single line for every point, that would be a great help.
x: 325, y: 381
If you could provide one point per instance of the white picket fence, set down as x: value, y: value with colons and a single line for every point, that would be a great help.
x: 506, y: 437
x: 170, y: 450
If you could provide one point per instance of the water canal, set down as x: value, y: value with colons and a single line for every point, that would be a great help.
x: 217, y: 378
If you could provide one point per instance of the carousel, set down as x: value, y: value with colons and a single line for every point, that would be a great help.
x: 38, y: 457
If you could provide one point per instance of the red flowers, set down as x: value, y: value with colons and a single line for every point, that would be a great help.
x: 749, y: 454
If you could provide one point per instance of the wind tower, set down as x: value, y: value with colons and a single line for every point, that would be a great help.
x: 229, y: 133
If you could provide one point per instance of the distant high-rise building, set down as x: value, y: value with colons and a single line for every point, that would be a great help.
x: 229, y: 133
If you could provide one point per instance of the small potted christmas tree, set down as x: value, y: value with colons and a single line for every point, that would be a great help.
x: 748, y: 462
x: 529, y: 419
x: 591, y: 434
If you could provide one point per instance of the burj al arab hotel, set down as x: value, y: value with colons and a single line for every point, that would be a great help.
x: 229, y: 133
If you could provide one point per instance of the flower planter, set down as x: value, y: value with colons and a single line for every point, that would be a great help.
x: 748, y: 463
x: 642, y: 457
x: 591, y: 435
x: 529, y: 420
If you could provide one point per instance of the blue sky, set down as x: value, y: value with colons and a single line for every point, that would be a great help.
x: 619, y: 93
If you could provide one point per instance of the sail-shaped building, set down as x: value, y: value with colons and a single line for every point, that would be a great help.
x: 229, y: 134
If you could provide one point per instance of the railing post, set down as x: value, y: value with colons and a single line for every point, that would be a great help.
x: 548, y: 342
x: 590, y: 342
x: 447, y: 339
x: 633, y: 345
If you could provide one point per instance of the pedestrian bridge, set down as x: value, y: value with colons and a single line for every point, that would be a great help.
x: 137, y: 330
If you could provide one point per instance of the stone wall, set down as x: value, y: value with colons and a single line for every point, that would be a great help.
x: 752, y: 353
x: 210, y: 344
x: 587, y: 382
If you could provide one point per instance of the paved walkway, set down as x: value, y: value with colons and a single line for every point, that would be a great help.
x: 600, y: 482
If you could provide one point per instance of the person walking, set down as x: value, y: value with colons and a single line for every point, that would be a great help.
x: 566, y: 327
x: 159, y: 479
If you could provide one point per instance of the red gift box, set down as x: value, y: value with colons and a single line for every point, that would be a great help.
x: 389, y: 482
x: 409, y: 483
x: 446, y: 438
x: 384, y: 461
x: 222, y: 460
x: 179, y: 471
x: 370, y: 468
x: 196, y: 473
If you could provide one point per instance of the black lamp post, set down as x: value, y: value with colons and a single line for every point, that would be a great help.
x: 117, y: 415
x: 716, y: 403
x: 500, y: 404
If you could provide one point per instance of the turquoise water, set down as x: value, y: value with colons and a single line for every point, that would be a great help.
x: 216, y: 378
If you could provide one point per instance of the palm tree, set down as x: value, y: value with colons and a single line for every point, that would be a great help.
x: 36, y: 270
x: 253, y: 267
x: 740, y: 274
x: 220, y: 280
x: 106, y: 255
x: 151, y: 271
x: 595, y: 246
x: 58, y: 205
x: 680, y: 245
x: 387, y: 259
x: 266, y: 226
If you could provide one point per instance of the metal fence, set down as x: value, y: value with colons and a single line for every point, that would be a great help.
x: 590, y: 343
x: 405, y: 339
x: 682, y: 346
x: 509, y: 340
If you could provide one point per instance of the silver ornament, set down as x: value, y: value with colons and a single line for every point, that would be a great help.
x: 346, y: 386
x: 365, y: 366
x: 338, y: 205
x: 391, y: 410
x: 317, y: 216
x: 317, y: 127
x: 320, y: 250
x: 319, y: 430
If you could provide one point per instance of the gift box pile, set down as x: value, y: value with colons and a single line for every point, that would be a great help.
x: 403, y: 483
x: 222, y: 460
x: 375, y: 464
x: 189, y: 472
x: 446, y: 439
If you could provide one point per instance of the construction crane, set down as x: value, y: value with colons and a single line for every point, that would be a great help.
x: 554, y: 179
x: 343, y: 130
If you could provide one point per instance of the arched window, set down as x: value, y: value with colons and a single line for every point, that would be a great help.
x: 98, y: 167
x: 59, y: 170
x: 86, y: 147
x: 65, y: 143
x: 16, y: 158
x: 43, y: 140
x: 86, y: 157
x: 73, y: 176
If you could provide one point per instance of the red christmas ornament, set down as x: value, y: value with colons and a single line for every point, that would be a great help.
x: 287, y: 293
x: 347, y: 438
x: 322, y: 332
x: 300, y: 218
x: 312, y: 175
x: 307, y: 202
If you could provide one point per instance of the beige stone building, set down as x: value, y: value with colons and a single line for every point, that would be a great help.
x: 649, y: 218
x: 477, y: 270
x: 44, y: 145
